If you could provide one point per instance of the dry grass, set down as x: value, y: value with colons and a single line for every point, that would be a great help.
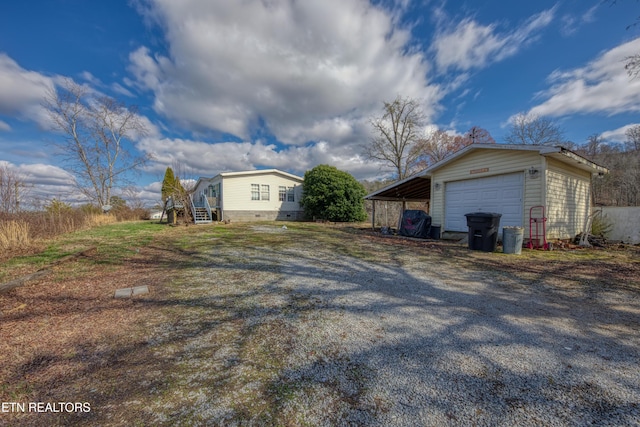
x: 97, y: 220
x: 27, y: 232
x: 13, y: 234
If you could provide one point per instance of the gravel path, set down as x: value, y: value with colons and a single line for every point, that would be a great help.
x: 407, y: 341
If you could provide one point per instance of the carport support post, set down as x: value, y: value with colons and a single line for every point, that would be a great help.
x: 404, y: 206
x: 373, y: 215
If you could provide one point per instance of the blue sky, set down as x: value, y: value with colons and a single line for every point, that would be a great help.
x: 227, y: 86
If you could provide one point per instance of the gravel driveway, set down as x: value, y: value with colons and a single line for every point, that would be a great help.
x: 405, y: 339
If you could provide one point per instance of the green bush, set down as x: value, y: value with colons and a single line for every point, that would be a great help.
x: 333, y: 195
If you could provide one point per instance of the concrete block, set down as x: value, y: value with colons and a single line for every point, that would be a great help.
x: 123, y: 293
x: 139, y: 290
x: 130, y: 292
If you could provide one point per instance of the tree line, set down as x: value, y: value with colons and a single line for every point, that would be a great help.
x: 96, y: 129
x: 402, y: 144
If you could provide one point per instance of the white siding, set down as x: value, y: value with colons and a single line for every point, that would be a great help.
x: 235, y: 201
x: 236, y: 193
x: 568, y: 200
x: 489, y: 162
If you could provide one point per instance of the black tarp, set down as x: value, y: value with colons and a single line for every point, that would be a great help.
x: 415, y: 223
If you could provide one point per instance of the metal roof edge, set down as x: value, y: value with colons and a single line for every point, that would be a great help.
x: 565, y: 152
x: 261, y: 171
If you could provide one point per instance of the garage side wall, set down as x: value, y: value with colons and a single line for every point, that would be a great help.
x: 568, y: 200
x: 484, y: 163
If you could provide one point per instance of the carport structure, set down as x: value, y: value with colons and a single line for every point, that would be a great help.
x: 506, y: 179
x: 416, y: 188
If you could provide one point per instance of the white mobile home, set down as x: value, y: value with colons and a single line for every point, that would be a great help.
x: 252, y: 195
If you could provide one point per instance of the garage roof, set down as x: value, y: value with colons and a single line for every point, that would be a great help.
x: 418, y: 187
x: 558, y: 152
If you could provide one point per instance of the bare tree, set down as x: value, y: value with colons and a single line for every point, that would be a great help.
x: 132, y: 196
x: 396, y: 135
x: 478, y: 135
x: 633, y: 138
x: 620, y: 187
x: 439, y: 144
x: 534, y: 130
x: 436, y: 146
x: 95, y: 132
x: 12, y: 189
x: 592, y: 148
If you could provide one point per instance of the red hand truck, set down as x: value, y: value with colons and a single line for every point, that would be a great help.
x: 537, y: 222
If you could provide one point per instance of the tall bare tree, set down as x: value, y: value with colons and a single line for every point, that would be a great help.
x: 396, y: 134
x: 534, y: 130
x: 96, y: 130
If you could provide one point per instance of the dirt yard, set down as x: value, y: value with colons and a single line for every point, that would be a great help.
x: 322, y: 325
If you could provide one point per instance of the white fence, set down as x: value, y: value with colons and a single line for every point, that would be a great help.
x: 625, y: 222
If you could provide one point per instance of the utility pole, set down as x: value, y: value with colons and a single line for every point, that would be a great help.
x: 17, y: 197
x: 472, y: 135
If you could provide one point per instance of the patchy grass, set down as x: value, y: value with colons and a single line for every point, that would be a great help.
x: 212, y: 342
x: 115, y: 242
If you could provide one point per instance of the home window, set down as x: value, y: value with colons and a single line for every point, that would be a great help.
x: 282, y: 194
x: 264, y: 194
x: 255, y: 191
x: 290, y: 196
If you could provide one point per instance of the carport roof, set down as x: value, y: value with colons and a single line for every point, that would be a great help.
x: 418, y: 187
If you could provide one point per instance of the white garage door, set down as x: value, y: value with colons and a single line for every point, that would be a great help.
x: 500, y: 193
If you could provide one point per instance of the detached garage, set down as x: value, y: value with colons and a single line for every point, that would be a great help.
x: 507, y: 179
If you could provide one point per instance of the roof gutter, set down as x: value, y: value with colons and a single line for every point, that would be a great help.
x: 573, y: 157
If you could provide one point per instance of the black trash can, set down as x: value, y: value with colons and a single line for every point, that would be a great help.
x: 483, y: 230
x: 436, y: 231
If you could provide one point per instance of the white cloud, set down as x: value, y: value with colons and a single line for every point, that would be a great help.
x: 294, y: 66
x: 201, y: 158
x: 205, y: 159
x: 470, y: 45
x: 90, y: 78
x: 4, y: 126
x: 44, y: 182
x: 118, y: 88
x: 22, y: 91
x: 39, y: 173
x: 602, y: 86
x: 572, y: 22
x: 618, y: 135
